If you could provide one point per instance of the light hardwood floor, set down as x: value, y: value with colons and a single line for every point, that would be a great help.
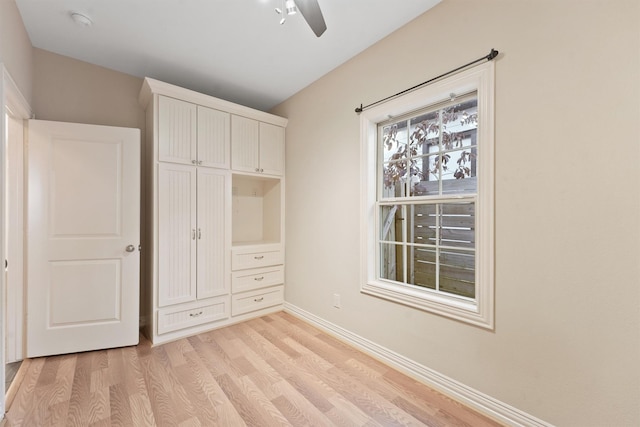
x: 274, y: 370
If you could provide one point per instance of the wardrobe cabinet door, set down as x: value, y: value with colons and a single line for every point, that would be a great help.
x: 177, y: 234
x: 176, y: 131
x: 214, y: 137
x: 213, y: 233
x: 244, y: 144
x: 271, y: 149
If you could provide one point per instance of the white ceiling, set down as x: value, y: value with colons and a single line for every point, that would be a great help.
x: 232, y: 49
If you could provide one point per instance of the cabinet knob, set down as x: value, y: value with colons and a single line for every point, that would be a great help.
x: 199, y: 234
x: 193, y: 234
x: 258, y: 299
x: 258, y: 279
x: 194, y: 162
x: 258, y: 257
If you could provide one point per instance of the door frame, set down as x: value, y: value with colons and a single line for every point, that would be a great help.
x: 14, y: 103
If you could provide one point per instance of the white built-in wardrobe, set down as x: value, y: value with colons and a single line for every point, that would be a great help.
x: 213, y: 218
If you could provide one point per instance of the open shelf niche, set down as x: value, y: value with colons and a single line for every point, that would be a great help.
x: 256, y: 210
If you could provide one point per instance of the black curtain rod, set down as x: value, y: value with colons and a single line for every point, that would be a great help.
x: 489, y: 57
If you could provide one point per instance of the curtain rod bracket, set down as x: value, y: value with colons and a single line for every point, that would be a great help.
x: 489, y: 57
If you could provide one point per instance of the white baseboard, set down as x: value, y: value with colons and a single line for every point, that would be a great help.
x: 481, y: 402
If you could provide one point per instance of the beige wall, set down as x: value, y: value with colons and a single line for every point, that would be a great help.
x: 16, y: 52
x: 70, y: 90
x: 566, y: 344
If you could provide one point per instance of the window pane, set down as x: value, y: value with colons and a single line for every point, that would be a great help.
x: 459, y: 172
x: 424, y: 128
x: 391, y: 223
x: 394, y: 141
x: 394, y: 163
x: 422, y: 224
x: 457, y: 273
x: 394, y: 179
x: 391, y: 262
x: 457, y: 225
x: 459, y: 124
x: 424, y: 267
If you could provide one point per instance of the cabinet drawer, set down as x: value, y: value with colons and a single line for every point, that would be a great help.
x: 256, y: 300
x: 243, y: 258
x: 247, y: 280
x: 185, y: 316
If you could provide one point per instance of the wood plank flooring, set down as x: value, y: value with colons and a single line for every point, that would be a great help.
x: 271, y: 371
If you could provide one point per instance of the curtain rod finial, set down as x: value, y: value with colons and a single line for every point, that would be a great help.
x: 492, y: 54
x: 359, y: 109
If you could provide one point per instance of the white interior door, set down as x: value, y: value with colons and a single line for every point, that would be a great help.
x: 83, y: 232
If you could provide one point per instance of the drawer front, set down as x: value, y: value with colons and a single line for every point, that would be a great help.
x: 247, y: 280
x: 244, y: 260
x: 175, y: 318
x: 256, y: 300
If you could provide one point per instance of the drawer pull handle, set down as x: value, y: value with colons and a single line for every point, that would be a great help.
x: 257, y: 279
x: 258, y: 257
x: 195, y: 314
x: 259, y: 299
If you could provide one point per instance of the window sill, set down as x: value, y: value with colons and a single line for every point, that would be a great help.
x: 458, y: 308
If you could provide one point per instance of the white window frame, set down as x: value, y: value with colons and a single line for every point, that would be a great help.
x: 480, y: 310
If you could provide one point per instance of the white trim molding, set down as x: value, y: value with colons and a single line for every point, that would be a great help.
x: 462, y: 393
x: 13, y: 102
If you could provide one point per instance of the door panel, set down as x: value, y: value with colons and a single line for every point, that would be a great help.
x: 70, y: 216
x: 83, y: 212
x: 177, y: 131
x: 271, y: 149
x: 212, y: 233
x: 244, y: 144
x: 214, y: 135
x: 177, y: 234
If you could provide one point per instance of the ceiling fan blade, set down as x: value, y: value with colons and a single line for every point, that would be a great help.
x: 311, y: 12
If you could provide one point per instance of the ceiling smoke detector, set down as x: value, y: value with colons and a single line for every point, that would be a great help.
x: 81, y: 19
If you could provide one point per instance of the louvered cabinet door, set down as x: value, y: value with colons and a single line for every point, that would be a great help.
x: 214, y: 136
x: 176, y: 234
x: 176, y: 131
x: 213, y: 234
x: 271, y: 149
x: 244, y: 144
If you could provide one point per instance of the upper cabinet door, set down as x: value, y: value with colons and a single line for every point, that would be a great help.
x: 213, y: 138
x: 176, y: 131
x: 271, y: 149
x: 244, y: 144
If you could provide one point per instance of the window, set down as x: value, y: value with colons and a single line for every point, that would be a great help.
x: 427, y: 160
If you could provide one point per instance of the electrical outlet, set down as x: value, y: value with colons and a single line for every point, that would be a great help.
x: 336, y: 300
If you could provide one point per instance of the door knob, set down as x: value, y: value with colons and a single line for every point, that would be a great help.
x: 131, y: 248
